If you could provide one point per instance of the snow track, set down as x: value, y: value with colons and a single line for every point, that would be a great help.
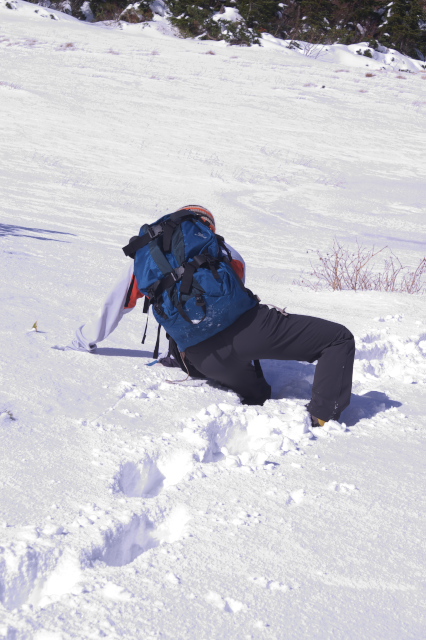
x: 158, y: 486
x: 41, y: 566
x: 52, y: 561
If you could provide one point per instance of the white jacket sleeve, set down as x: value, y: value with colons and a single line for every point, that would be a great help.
x: 108, y: 317
x: 113, y: 309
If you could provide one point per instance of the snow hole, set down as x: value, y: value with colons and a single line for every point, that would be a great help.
x: 147, y: 478
x: 125, y: 544
x: 36, y: 576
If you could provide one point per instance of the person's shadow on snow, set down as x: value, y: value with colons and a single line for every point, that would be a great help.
x: 367, y: 406
x: 291, y: 379
x: 29, y: 232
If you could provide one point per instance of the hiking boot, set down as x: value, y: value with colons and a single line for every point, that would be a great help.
x: 317, y: 422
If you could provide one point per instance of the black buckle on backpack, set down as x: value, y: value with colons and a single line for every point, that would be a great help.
x: 177, y: 273
x: 155, y: 231
x: 159, y: 309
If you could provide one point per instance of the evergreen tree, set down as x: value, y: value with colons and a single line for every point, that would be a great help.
x: 400, y: 24
x: 405, y: 27
x: 317, y: 14
x: 261, y: 15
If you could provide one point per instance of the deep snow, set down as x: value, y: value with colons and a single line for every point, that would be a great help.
x: 132, y: 507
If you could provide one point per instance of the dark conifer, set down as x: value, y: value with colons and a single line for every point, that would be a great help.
x: 405, y: 27
x: 400, y: 24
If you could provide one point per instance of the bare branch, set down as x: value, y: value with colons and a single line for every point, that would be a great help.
x: 357, y: 270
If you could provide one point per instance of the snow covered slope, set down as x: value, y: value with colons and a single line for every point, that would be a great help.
x: 132, y: 507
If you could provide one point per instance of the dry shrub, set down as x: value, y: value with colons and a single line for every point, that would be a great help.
x: 68, y: 46
x: 370, y: 75
x: 114, y: 53
x: 401, y: 77
x: 314, y: 50
x: 154, y: 52
x: 355, y: 269
x: 210, y: 53
x: 341, y: 71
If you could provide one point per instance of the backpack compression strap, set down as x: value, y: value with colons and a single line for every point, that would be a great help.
x: 165, y: 229
x: 185, y: 273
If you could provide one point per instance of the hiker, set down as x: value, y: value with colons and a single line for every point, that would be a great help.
x: 221, y: 334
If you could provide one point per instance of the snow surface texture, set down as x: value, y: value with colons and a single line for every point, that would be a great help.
x: 132, y: 507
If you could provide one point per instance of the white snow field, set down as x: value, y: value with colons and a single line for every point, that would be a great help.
x: 135, y: 508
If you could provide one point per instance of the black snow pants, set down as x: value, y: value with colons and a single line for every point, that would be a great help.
x: 266, y: 334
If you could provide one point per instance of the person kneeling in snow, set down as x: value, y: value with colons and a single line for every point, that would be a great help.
x: 231, y: 355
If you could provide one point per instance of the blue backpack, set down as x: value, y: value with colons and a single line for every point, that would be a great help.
x: 183, y: 268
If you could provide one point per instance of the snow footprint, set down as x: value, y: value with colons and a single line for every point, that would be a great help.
x: 34, y: 571
x: 143, y: 480
x: 37, y: 570
x: 125, y: 543
x: 149, y: 476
